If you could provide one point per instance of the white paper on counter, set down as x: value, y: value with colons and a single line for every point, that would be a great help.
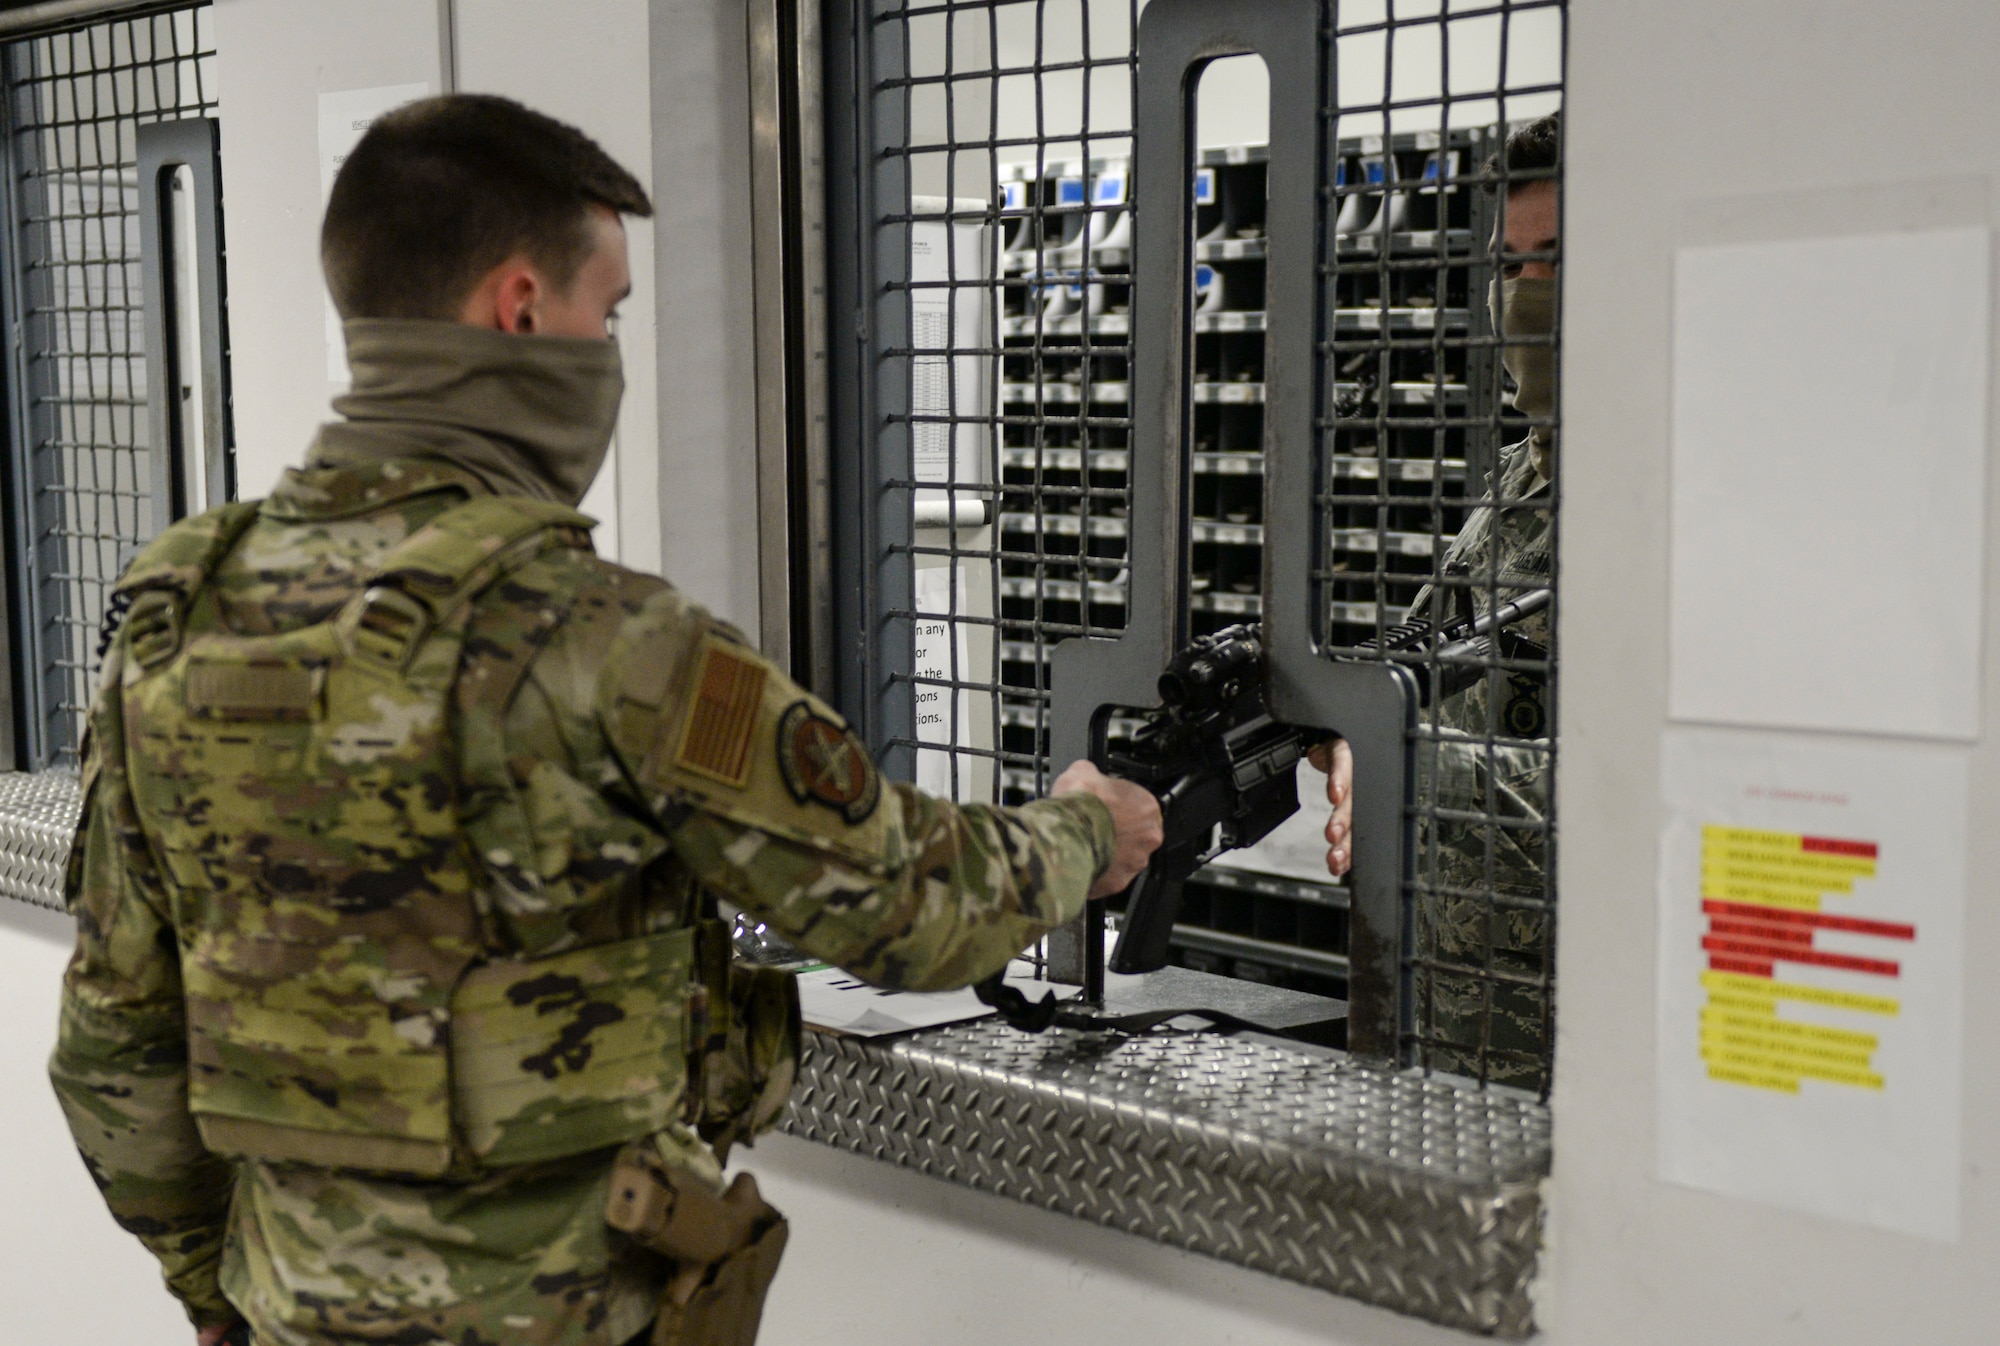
x: 1296, y: 847
x: 344, y: 116
x: 1871, y: 1133
x: 1829, y: 488
x: 832, y: 999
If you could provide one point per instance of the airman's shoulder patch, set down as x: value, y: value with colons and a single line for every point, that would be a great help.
x: 821, y: 761
x: 722, y: 720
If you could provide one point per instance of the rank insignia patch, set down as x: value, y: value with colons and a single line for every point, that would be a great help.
x: 729, y: 687
x: 821, y: 761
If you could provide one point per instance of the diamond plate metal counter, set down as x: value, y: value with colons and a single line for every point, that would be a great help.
x: 37, y: 819
x: 1413, y: 1194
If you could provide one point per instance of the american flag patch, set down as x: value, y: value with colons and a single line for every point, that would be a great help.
x: 729, y: 689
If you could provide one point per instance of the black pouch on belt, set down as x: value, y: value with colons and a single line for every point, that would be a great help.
x: 725, y: 1248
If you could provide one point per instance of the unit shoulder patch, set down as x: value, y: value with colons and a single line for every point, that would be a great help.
x: 824, y: 763
x: 729, y: 691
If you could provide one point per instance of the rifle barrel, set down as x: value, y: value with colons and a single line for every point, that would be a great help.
x: 1527, y: 605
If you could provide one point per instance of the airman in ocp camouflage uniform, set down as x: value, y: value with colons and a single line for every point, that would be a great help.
x: 1484, y: 930
x: 398, y: 1011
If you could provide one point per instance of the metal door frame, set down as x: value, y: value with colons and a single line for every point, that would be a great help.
x: 192, y: 143
x: 870, y: 552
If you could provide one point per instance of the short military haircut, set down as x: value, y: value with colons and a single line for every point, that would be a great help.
x: 1532, y: 154
x: 441, y: 191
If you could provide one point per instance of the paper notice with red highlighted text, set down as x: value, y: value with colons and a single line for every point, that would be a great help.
x: 1811, y: 895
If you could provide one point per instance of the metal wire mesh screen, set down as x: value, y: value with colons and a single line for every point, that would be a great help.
x: 993, y: 224
x: 82, y: 477
x: 1014, y: 301
x: 1440, y: 502
x: 995, y: 163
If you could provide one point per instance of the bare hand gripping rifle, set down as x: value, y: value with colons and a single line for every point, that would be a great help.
x: 1216, y: 759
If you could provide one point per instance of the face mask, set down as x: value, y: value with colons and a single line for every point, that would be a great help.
x: 536, y: 412
x: 599, y: 382
x: 1526, y: 307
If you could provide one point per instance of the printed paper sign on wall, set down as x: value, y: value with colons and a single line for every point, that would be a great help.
x: 1811, y: 896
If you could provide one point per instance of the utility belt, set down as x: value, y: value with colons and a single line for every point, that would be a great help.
x: 724, y: 1243
x: 584, y: 1050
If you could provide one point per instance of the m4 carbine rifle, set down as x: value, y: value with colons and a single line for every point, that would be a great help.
x: 1215, y: 758
x: 1224, y: 770
x: 1458, y: 654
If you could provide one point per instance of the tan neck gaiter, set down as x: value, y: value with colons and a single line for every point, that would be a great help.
x: 527, y: 415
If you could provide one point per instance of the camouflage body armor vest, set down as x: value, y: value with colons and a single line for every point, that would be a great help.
x: 344, y: 1006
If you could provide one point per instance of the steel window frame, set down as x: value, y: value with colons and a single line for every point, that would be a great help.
x: 871, y: 562
x: 789, y: 300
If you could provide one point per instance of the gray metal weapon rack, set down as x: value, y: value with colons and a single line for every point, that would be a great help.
x: 1371, y: 704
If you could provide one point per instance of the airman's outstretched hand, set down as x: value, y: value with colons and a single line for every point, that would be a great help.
x: 1336, y: 759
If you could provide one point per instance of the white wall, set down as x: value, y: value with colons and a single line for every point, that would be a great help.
x: 1671, y: 104
x: 68, y: 1275
x: 273, y: 60
x: 880, y: 1256
x: 585, y: 62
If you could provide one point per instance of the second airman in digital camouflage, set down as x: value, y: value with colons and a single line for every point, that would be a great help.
x: 1484, y: 1008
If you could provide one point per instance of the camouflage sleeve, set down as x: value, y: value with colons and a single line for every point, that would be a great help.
x: 772, y: 802
x: 120, y: 1063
